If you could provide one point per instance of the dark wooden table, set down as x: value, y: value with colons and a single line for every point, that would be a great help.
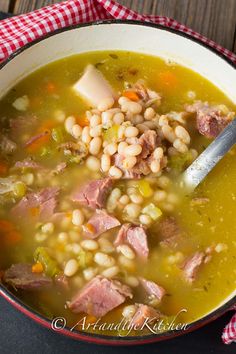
x: 216, y: 19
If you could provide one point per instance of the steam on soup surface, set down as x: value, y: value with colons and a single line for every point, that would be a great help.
x: 90, y: 223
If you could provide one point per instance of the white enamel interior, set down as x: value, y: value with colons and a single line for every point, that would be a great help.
x: 129, y: 37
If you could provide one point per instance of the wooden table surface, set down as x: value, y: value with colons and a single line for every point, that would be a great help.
x: 215, y: 19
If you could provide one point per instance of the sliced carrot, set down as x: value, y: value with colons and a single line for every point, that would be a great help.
x: 168, y: 78
x: 12, y: 237
x: 39, y: 142
x: 3, y: 168
x: 82, y: 121
x: 131, y: 95
x: 91, y: 319
x: 90, y: 228
x: 6, y: 226
x: 50, y: 87
x: 37, y: 268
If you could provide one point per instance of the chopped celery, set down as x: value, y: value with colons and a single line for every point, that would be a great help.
x: 49, y: 264
x: 144, y: 188
x: 111, y: 134
x: 84, y: 258
x: 58, y: 134
x: 181, y: 161
x: 19, y: 189
x: 153, y: 211
x: 45, y: 151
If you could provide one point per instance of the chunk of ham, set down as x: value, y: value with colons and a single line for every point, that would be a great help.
x: 99, y: 296
x: 144, y: 313
x: 127, y: 174
x: 93, y: 86
x: 169, y: 232
x: 192, y: 264
x: 99, y: 223
x: 7, y: 146
x: 93, y: 194
x: 149, y: 142
x: 152, y: 289
x: 21, y: 125
x: 136, y: 237
x: 20, y: 276
x: 211, y: 120
x: 39, y: 205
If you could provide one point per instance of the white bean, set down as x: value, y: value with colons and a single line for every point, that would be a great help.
x: 158, y: 153
x: 111, y: 272
x: 95, y: 146
x: 126, y: 251
x: 107, y: 119
x: 163, y: 120
x: 48, y: 228
x: 104, y: 260
x: 89, y: 273
x: 132, y: 281
x: 133, y: 107
x: 145, y: 219
x: 129, y: 162
x: 131, y: 132
x: 95, y: 120
x: 123, y: 100
x: 155, y: 166
x: 121, y: 132
x: 115, y: 172
x: 121, y: 147
x: 86, y: 138
x: 77, y: 217
x: 168, y: 133
x: 124, y: 199
x: 93, y: 163
x: 62, y: 237
x: 105, y: 104
x: 105, y: 162
x: 96, y: 131
x: 182, y: 134
x: 71, y: 267
x: 69, y: 122
x: 180, y: 146
x: 126, y: 263
x: 136, y: 198
x: 118, y: 118
x: 132, y: 210
x: 160, y: 195
x: 90, y: 245
x: 111, y: 149
x: 133, y: 150
x: 76, y: 131
x: 149, y: 113
x: 106, y: 246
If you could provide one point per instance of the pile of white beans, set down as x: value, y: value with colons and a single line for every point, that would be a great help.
x: 132, y: 119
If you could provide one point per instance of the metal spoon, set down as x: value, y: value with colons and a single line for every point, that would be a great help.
x: 205, y: 162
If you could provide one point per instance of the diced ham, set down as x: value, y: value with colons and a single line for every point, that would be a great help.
x: 169, y: 232
x: 136, y: 237
x: 20, y: 276
x: 144, y: 313
x: 99, y: 296
x: 94, y: 193
x: 210, y: 119
x: 28, y: 163
x: 7, y: 146
x: 93, y: 86
x: 21, y: 124
x: 191, y: 266
x: 149, y: 141
x: 152, y: 289
x: 40, y: 205
x: 99, y: 223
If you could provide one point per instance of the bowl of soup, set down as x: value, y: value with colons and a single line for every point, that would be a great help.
x: 98, y: 240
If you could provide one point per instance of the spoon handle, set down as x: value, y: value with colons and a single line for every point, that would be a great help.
x: 207, y: 160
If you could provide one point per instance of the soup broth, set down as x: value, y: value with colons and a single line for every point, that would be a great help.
x: 51, y: 238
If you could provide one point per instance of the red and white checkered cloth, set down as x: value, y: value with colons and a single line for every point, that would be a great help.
x: 20, y: 30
